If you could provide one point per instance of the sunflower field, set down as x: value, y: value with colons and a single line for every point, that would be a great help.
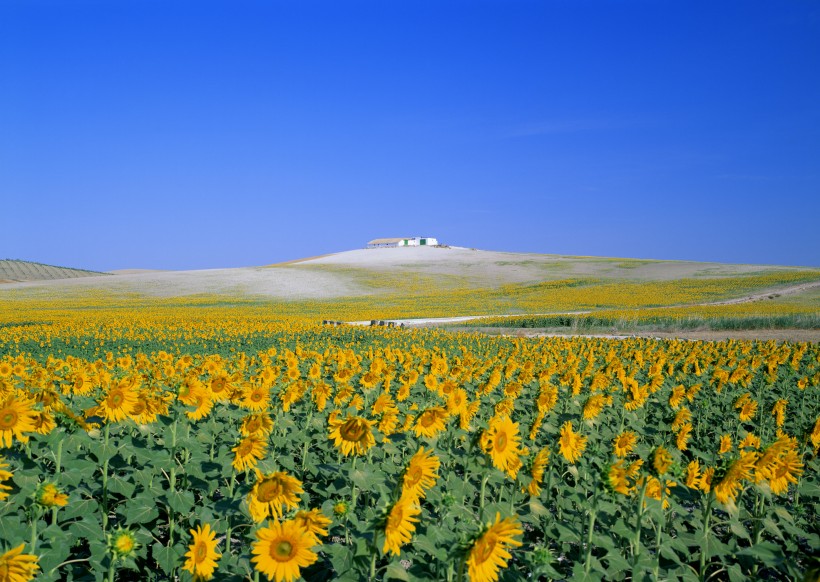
x: 283, y: 450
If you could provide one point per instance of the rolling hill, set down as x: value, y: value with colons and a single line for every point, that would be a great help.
x: 15, y: 271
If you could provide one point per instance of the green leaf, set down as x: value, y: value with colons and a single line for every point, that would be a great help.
x: 55, y: 549
x: 103, y: 452
x: 121, y: 485
x: 617, y: 563
x: 771, y: 527
x: 74, y: 509
x: 181, y: 501
x: 768, y: 553
x: 12, y: 527
x: 425, y: 544
x: 395, y: 571
x: 168, y: 558
x: 739, y: 530
x: 87, y: 528
x: 141, y: 509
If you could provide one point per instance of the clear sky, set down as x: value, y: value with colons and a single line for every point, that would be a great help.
x: 196, y: 134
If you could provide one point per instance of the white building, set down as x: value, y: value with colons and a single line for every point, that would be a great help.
x: 415, y: 241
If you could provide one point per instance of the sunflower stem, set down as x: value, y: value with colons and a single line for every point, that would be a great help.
x: 112, y: 570
x: 372, y: 565
x: 58, y: 458
x: 637, y: 541
x: 172, y: 477
x: 659, y: 537
x: 460, y: 577
x: 354, y: 491
x: 707, y: 515
x: 34, y: 529
x: 105, y: 480
x: 481, y: 495
x: 593, y: 513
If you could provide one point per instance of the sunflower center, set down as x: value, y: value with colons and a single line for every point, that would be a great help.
x: 394, y: 521
x: 201, y: 552
x: 8, y: 419
x: 413, y: 476
x: 115, y: 399
x: 282, y: 551
x: 484, y: 548
x: 500, y: 442
x: 245, y: 448
x: 353, y: 430
x: 268, y: 491
x: 427, y: 420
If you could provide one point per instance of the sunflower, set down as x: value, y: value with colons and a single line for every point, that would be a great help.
x: 489, y: 552
x: 457, y: 401
x: 539, y: 465
x: 623, y: 443
x: 750, y: 441
x: 594, y: 405
x: 282, y: 549
x: 657, y: 490
x: 4, y: 476
x: 420, y: 474
x: 48, y: 495
x: 399, y: 527
x: 315, y: 522
x: 119, y: 401
x: 814, y: 436
x: 571, y: 444
x: 15, y: 566
x: 725, y: 444
x: 661, y: 460
x: 44, y: 422
x: 353, y: 435
x: 341, y: 508
x: 683, y: 416
x: 248, y: 452
x: 220, y: 387
x: 779, y: 412
x: 256, y: 398
x: 259, y: 425
x: 693, y: 475
x: 122, y: 543
x: 430, y: 422
x: 748, y: 410
x: 16, y: 417
x: 271, y: 493
x: 203, y: 405
x: 502, y: 443
x: 618, y: 477
x: 787, y: 469
x: 467, y: 415
x: 682, y: 440
x: 202, y: 554
x: 730, y: 485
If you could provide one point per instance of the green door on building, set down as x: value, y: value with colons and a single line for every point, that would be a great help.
x: 423, y: 242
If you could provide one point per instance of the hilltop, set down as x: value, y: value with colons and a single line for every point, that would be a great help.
x: 376, y: 271
x: 13, y: 270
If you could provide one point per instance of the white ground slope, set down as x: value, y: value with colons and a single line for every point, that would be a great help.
x: 346, y: 273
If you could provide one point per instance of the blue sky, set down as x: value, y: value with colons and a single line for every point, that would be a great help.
x: 197, y: 134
